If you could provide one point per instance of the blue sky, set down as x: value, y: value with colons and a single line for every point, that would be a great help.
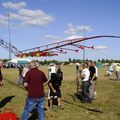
x: 40, y: 22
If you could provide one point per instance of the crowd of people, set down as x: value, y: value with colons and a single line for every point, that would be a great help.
x: 34, y: 81
x: 88, y: 77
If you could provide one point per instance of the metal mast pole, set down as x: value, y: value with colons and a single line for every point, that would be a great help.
x: 84, y: 44
x: 9, y: 33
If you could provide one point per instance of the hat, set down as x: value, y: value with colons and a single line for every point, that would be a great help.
x: 52, y: 64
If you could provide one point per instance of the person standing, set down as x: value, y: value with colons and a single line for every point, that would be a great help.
x: 110, y: 70
x: 92, y: 79
x: 20, y: 78
x: 20, y: 68
x: 95, y: 79
x: 51, y: 72
x: 55, y: 92
x: 55, y: 87
x: 85, y: 83
x: 1, y: 77
x: 77, y: 66
x: 34, y: 82
x: 117, y: 71
x: 25, y: 70
x: 51, y: 69
x: 60, y: 75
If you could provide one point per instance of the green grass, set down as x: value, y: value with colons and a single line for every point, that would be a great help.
x: 105, y: 107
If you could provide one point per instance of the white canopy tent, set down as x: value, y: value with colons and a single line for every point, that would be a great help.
x: 15, y: 60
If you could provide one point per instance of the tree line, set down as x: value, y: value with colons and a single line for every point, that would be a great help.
x: 47, y: 62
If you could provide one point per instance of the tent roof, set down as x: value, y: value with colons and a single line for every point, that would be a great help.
x: 15, y: 60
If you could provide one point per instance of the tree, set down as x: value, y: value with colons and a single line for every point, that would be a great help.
x: 103, y: 61
x: 70, y: 60
x: 99, y: 60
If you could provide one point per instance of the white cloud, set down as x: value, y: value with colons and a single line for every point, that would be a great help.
x: 83, y: 28
x: 12, y: 5
x: 3, y: 21
x: 26, y: 17
x: 31, y: 13
x: 35, y: 17
x: 14, y: 16
x: 70, y: 29
x: 73, y: 37
x: 3, y: 17
x: 52, y: 36
x: 59, y: 39
x: 73, y: 30
x: 100, y: 47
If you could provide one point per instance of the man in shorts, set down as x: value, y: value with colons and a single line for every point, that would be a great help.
x: 55, y: 92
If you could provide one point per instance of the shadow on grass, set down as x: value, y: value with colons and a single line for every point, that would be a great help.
x: 78, y: 96
x: 72, y: 96
x: 92, y: 110
x: 89, y: 109
x: 113, y: 79
x: 34, y: 114
x: 5, y: 101
x: 14, y: 84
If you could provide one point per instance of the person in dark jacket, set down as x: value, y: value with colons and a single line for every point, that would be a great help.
x: 92, y: 79
x: 60, y: 75
x: 55, y: 87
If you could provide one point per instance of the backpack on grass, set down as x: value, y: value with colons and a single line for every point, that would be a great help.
x: 8, y: 114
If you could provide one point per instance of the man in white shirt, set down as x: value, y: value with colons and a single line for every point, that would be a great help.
x: 85, y: 83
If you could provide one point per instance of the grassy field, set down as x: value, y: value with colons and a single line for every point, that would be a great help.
x: 105, y: 107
